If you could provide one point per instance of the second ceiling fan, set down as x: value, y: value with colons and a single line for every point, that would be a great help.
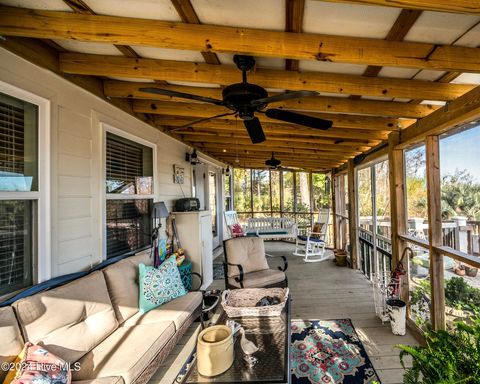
x: 245, y: 99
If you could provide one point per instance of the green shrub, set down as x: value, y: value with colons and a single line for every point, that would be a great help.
x: 447, y: 358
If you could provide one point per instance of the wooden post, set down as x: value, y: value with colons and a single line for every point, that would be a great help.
x: 435, y: 232
x: 334, y: 210
x: 352, y: 214
x: 398, y: 209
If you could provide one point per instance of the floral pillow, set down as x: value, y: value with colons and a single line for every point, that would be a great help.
x: 237, y: 230
x: 38, y: 366
x: 159, y: 285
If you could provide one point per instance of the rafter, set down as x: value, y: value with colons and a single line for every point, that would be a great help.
x: 79, y: 6
x: 294, y: 10
x: 131, y: 31
x: 188, y: 15
x: 171, y: 108
x: 218, y: 125
x: 102, y: 65
x: 399, y: 30
x: 471, y: 7
x: 123, y: 89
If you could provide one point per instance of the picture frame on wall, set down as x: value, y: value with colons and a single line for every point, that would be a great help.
x: 178, y: 174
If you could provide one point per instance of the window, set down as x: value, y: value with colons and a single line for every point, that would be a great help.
x: 24, y: 257
x: 129, y: 194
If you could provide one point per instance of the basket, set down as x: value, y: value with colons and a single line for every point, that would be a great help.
x: 241, y: 302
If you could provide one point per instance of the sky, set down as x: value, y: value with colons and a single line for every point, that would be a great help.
x: 461, y: 151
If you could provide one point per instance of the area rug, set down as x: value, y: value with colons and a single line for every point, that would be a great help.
x: 329, y: 351
x: 218, y: 273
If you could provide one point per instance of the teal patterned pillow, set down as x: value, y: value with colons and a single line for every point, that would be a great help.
x: 159, y: 285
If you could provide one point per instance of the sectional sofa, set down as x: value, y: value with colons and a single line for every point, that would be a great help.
x: 95, y: 322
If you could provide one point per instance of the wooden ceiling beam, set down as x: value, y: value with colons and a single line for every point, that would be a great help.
x: 469, y: 7
x: 294, y: 10
x: 104, y: 65
x: 79, y: 6
x: 233, y: 142
x: 399, y: 30
x: 211, y: 38
x: 124, y: 89
x: 283, y: 157
x: 217, y: 125
x: 282, y: 137
x: 188, y: 15
x: 171, y: 108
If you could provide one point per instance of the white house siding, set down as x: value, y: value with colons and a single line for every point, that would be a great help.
x: 77, y: 163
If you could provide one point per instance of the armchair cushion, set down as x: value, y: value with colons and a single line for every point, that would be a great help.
x: 12, y: 341
x: 248, y: 251
x: 314, y: 239
x: 259, y: 279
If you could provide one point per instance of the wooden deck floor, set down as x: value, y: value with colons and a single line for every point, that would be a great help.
x: 321, y: 291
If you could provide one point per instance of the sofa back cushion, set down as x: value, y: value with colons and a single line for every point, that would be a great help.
x: 11, y: 343
x: 69, y: 320
x: 248, y: 251
x: 122, y: 283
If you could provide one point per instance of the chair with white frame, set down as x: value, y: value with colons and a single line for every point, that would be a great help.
x: 311, y: 246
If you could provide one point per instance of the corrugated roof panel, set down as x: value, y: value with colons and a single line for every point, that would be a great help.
x: 264, y: 14
x: 440, y: 27
x: 429, y: 75
x: 348, y: 19
x: 143, y: 9
x: 89, y: 47
x: 325, y: 66
x: 467, y: 78
x: 471, y: 38
x: 50, y: 5
x: 194, y: 84
x: 397, y: 72
x: 131, y: 79
x: 168, y: 54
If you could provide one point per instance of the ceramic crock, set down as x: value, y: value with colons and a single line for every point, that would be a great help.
x: 214, y: 350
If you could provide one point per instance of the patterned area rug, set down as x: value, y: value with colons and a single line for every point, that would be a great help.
x: 329, y: 352
x: 218, y: 273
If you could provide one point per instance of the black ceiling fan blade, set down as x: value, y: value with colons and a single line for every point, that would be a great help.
x: 201, y: 120
x: 182, y: 95
x: 255, y: 130
x: 297, y: 118
x: 284, y: 96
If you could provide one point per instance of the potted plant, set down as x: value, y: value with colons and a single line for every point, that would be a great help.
x: 471, y: 271
x: 447, y: 357
x: 460, y: 270
x: 340, y: 257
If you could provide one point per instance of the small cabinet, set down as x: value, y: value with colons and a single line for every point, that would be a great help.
x: 195, y: 233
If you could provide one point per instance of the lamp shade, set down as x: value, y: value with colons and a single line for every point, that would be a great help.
x: 160, y: 210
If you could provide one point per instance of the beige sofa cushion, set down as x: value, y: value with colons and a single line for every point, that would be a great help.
x: 247, y: 251
x: 259, y: 279
x: 126, y: 352
x: 11, y: 341
x: 69, y: 320
x: 102, y: 380
x: 122, y: 283
x: 177, y: 310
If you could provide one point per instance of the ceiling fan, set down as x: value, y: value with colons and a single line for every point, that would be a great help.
x: 274, y: 164
x: 245, y: 99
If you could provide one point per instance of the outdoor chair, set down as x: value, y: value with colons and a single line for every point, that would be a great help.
x: 246, y: 265
x: 311, y: 246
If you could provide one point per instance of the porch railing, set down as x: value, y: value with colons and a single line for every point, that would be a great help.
x: 375, y: 252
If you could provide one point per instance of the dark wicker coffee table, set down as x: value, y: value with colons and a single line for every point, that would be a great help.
x: 272, y: 336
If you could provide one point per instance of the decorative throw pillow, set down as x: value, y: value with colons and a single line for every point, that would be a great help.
x: 159, y: 286
x: 237, y: 230
x: 38, y: 366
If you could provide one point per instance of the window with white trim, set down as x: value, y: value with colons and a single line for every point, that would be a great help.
x: 23, y: 207
x: 129, y: 194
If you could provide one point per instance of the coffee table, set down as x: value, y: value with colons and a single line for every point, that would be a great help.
x: 272, y: 336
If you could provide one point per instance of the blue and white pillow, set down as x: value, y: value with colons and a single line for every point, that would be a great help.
x: 160, y: 285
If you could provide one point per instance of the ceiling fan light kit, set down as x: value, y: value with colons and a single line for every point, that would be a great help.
x: 246, y: 99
